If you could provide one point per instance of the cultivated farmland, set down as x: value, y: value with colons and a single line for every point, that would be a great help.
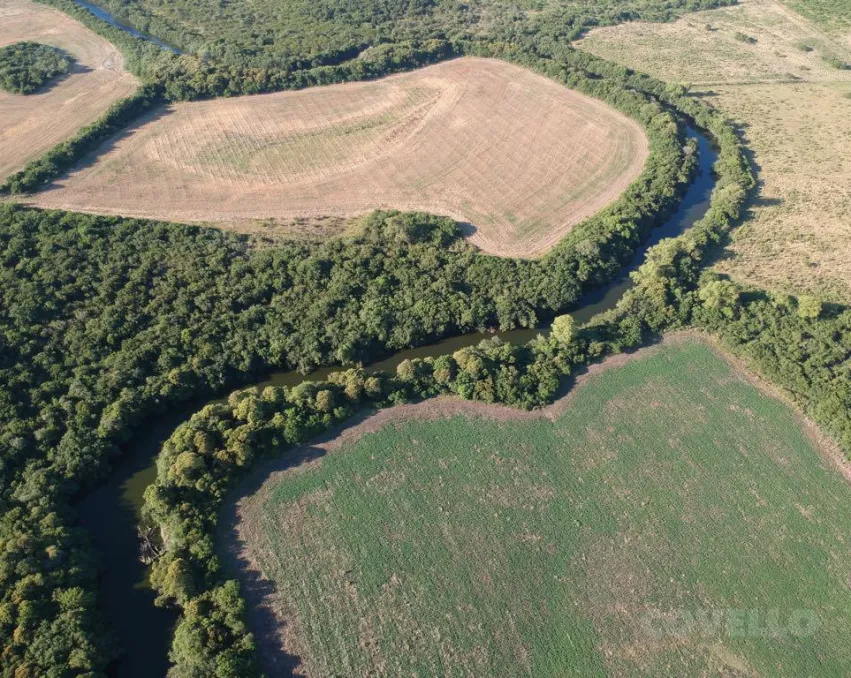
x: 516, y: 155
x: 30, y: 125
x: 453, y: 539
x: 793, y: 105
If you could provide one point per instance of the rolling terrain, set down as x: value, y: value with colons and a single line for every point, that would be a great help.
x: 516, y: 155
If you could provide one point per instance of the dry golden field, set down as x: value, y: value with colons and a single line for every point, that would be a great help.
x: 794, y: 111
x: 30, y: 125
x: 519, y: 156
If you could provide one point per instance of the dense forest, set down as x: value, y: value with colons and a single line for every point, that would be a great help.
x: 109, y: 321
x: 297, y: 34
x: 26, y: 67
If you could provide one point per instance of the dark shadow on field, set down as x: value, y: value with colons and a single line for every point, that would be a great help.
x: 753, y: 200
x: 568, y: 383
x: 92, y: 156
x: 467, y: 229
x: 260, y: 593
x: 76, y: 67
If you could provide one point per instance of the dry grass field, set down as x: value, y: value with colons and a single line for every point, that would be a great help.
x: 793, y: 108
x: 30, y: 125
x: 516, y: 155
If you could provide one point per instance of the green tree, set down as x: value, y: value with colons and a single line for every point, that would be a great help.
x: 809, y: 307
x: 562, y: 329
x: 721, y: 296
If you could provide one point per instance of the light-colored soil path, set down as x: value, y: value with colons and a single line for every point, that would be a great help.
x: 32, y: 124
x: 518, y: 156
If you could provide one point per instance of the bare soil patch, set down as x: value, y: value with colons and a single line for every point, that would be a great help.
x: 793, y: 109
x: 32, y: 124
x: 518, y: 156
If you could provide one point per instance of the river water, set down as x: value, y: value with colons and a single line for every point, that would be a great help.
x: 104, y: 15
x: 111, y: 513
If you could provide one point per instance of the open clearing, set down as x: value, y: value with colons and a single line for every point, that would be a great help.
x: 519, y: 156
x: 667, y: 518
x: 32, y: 124
x: 793, y: 108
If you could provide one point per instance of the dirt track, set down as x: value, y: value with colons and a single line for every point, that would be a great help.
x: 519, y: 156
x: 32, y: 124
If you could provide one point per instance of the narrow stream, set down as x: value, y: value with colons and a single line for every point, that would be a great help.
x: 104, y: 15
x: 111, y: 513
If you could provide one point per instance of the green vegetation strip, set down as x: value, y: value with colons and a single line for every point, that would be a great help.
x: 668, y: 488
x: 26, y: 67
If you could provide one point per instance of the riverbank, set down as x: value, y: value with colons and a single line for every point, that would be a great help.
x: 112, y: 513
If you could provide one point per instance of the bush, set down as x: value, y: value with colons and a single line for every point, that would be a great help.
x: 26, y: 67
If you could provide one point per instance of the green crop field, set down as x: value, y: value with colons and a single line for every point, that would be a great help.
x: 672, y: 521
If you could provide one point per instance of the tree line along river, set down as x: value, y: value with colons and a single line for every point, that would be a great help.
x: 111, y: 513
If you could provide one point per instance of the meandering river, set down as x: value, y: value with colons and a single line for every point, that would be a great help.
x: 111, y: 513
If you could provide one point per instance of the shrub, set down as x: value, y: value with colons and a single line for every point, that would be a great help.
x: 25, y: 67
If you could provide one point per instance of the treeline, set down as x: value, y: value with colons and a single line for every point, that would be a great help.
x: 65, y: 155
x: 206, y: 456
x: 25, y: 67
x: 797, y: 343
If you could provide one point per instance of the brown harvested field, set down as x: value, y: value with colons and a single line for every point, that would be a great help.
x: 519, y: 156
x: 793, y: 109
x: 32, y: 124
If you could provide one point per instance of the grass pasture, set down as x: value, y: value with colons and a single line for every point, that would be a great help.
x: 32, y: 124
x: 793, y: 108
x: 519, y: 156
x: 666, y: 490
